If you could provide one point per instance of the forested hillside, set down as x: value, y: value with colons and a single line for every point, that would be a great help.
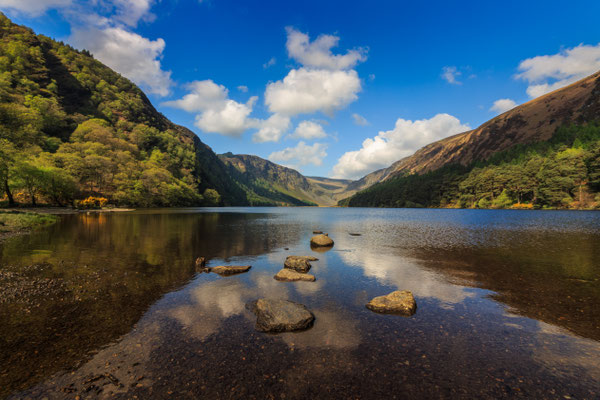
x: 563, y: 172
x: 267, y: 183
x: 71, y: 127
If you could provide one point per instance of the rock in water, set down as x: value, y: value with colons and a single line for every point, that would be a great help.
x: 230, y: 269
x: 289, y: 275
x: 280, y: 315
x: 317, y: 232
x: 321, y: 241
x: 398, y: 302
x: 297, y: 263
x: 200, y: 262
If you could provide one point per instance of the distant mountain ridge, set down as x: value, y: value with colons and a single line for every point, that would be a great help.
x: 267, y: 183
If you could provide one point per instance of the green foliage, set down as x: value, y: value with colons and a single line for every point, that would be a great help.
x: 71, y: 128
x: 562, y: 172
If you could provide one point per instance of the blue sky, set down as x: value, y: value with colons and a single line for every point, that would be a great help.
x: 336, y: 88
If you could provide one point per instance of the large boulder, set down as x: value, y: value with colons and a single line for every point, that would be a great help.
x: 321, y: 241
x: 289, y: 275
x: 280, y: 315
x: 297, y: 263
x: 399, y: 302
x: 229, y: 269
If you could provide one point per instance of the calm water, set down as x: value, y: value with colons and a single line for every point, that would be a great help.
x: 111, y: 306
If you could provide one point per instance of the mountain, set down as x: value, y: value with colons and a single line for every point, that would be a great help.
x: 547, y: 126
x: 267, y: 183
x: 70, y: 128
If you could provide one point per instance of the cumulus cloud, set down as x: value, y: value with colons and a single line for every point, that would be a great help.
x: 308, y: 130
x: 310, y: 90
x: 243, y: 88
x: 217, y: 113
x: 390, y: 146
x: 359, y: 120
x: 272, y: 129
x: 300, y: 155
x: 33, y: 7
x: 317, y: 54
x: 450, y: 74
x: 550, y: 72
x: 134, y: 56
x: 503, y: 105
x: 325, y: 82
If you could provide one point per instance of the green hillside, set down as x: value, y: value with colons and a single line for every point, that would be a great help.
x: 563, y: 172
x: 267, y: 183
x: 71, y: 127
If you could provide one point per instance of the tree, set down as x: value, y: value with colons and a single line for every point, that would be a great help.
x: 212, y: 197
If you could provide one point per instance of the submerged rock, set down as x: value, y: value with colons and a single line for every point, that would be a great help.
x: 398, y: 302
x: 355, y: 234
x: 297, y: 263
x: 229, y: 269
x: 289, y: 275
x: 317, y: 232
x: 321, y: 241
x: 280, y: 315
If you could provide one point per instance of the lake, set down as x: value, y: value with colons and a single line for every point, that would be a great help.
x: 110, y: 305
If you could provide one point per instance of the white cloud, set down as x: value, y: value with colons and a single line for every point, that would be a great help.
x: 231, y: 120
x: 204, y: 95
x: 270, y: 63
x: 317, y: 54
x: 450, y: 75
x: 300, y: 155
x: 134, y: 56
x: 503, y: 105
x: 550, y: 72
x: 359, y: 120
x: 243, y: 88
x: 309, y: 130
x: 272, y: 129
x: 307, y: 91
x: 130, y: 12
x: 217, y: 113
x: 390, y: 146
x: 33, y: 7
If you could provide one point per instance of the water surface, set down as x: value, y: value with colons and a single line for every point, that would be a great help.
x: 110, y: 305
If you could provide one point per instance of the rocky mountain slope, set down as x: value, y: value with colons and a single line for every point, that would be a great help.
x: 534, y: 121
x: 267, y: 183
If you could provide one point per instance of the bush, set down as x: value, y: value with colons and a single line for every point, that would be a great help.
x: 91, y: 203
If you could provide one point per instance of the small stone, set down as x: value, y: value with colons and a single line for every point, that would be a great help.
x: 399, y: 302
x: 321, y: 241
x: 229, y: 269
x: 289, y: 275
x: 280, y: 315
x: 317, y: 232
x: 355, y: 234
x: 297, y: 263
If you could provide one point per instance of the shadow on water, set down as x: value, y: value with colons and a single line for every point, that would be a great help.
x: 507, y: 306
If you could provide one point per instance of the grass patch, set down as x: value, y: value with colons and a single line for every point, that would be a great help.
x: 15, y: 221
